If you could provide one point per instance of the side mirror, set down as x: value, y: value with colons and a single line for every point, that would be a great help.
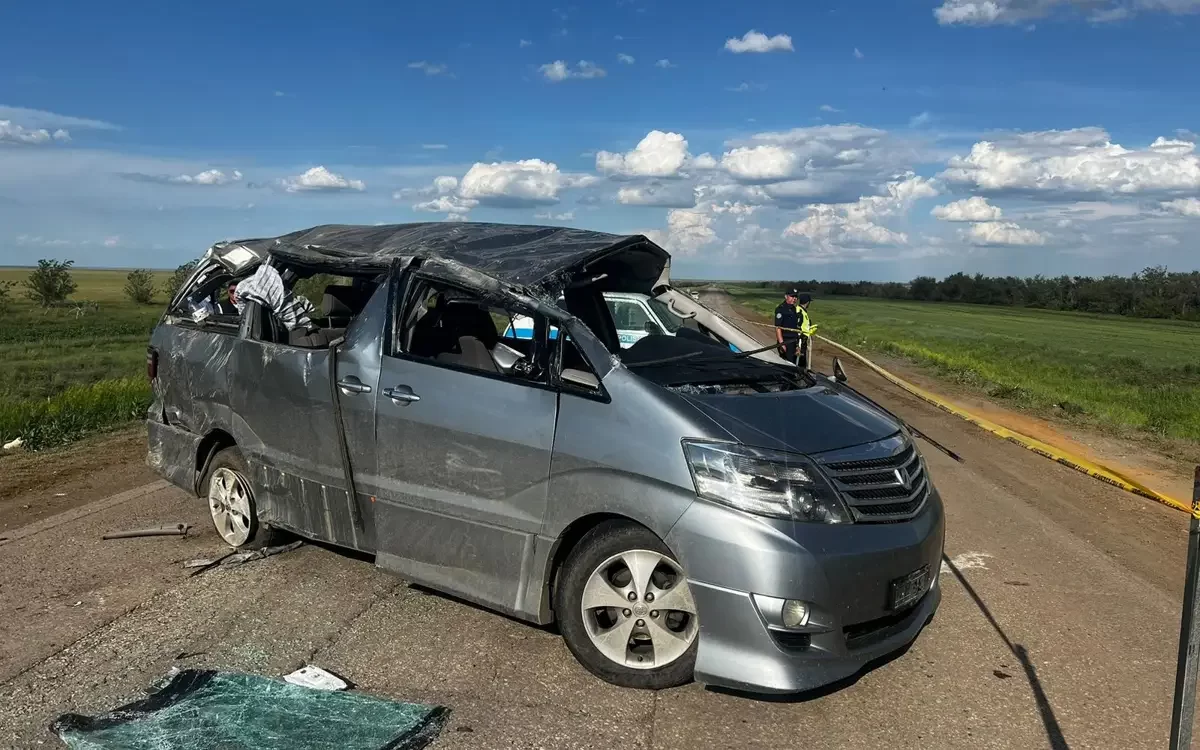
x: 839, y: 374
x: 581, y: 379
x: 652, y: 328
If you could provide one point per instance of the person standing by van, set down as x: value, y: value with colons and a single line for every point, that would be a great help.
x: 787, y: 325
x: 807, y: 329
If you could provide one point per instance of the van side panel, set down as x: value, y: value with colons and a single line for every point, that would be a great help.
x: 190, y: 397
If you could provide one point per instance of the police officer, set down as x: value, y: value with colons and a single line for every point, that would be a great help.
x: 787, y: 324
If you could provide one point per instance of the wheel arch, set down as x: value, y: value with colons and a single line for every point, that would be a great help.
x: 216, y: 440
x: 565, y: 544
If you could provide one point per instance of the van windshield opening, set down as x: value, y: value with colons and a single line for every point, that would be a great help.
x: 669, y: 319
x: 694, y: 365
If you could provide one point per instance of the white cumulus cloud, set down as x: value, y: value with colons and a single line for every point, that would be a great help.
x: 451, y: 205
x: 320, y: 179
x: 665, y: 63
x: 1002, y: 233
x: 755, y: 41
x: 830, y: 228
x: 507, y: 184
x: 559, y: 71
x: 626, y: 59
x: 659, y: 154
x: 208, y: 177
x: 1083, y: 161
x: 975, y: 208
x: 766, y: 163
x: 1183, y: 207
x: 688, y: 230
x: 1013, y: 12
x: 516, y: 183
x: 11, y: 132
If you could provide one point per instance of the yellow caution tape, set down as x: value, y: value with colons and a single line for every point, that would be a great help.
x: 1094, y: 470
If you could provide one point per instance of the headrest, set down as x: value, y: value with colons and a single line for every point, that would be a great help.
x: 340, y: 300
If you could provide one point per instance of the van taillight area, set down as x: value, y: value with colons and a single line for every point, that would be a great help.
x: 151, y: 363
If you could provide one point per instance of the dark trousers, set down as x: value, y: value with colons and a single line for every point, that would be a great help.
x: 791, y: 349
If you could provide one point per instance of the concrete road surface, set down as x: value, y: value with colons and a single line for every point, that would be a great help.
x: 1058, y: 627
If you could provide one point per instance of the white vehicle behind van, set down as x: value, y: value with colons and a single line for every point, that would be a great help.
x: 635, y: 315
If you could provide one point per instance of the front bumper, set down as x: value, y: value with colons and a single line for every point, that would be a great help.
x: 843, y: 572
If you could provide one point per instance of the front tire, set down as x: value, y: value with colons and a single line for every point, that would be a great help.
x: 231, y: 502
x: 625, y: 610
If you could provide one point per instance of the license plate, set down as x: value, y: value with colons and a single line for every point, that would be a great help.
x: 909, y: 589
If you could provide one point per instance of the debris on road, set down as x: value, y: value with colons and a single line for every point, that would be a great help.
x: 179, y: 529
x: 237, y: 558
x: 206, y: 710
x: 316, y: 678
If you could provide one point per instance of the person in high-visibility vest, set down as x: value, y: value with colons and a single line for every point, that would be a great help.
x: 807, y: 329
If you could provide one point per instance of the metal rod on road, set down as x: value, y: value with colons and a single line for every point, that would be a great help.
x: 1184, y: 709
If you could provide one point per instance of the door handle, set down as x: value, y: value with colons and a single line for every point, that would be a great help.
x: 353, y: 385
x: 401, y: 394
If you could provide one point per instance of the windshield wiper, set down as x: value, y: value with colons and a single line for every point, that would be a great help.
x: 664, y: 360
x: 741, y: 355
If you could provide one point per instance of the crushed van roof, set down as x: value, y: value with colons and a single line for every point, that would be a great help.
x: 521, y: 255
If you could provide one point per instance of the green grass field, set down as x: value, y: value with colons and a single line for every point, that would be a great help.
x: 1116, y: 372
x: 65, y: 373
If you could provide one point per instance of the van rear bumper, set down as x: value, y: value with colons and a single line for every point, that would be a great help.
x: 171, y: 453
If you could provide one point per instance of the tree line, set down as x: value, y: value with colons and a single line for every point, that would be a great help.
x: 1152, y: 293
x: 51, y: 283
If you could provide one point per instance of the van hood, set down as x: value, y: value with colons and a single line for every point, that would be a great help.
x: 811, y: 420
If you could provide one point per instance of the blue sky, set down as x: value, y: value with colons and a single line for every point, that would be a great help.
x: 754, y: 140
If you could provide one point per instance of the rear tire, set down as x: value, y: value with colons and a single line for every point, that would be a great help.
x: 231, y: 504
x: 625, y: 610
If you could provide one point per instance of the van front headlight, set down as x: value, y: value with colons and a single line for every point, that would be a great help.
x: 763, y: 482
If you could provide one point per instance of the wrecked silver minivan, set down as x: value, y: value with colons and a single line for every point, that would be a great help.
x: 676, y: 508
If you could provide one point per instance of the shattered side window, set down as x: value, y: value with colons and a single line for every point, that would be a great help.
x: 209, y: 302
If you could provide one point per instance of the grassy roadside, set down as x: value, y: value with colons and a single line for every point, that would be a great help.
x: 1113, y: 372
x: 69, y: 372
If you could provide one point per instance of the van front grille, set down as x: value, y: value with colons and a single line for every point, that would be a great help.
x: 882, y: 482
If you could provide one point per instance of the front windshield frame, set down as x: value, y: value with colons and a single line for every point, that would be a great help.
x: 663, y: 312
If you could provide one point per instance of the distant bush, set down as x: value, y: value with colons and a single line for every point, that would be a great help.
x: 179, y: 277
x: 50, y: 282
x: 6, y: 300
x: 139, y: 286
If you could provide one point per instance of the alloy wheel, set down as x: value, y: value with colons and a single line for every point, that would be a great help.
x: 229, y: 504
x: 638, y: 610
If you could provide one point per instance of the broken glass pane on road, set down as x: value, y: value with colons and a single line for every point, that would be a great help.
x: 208, y: 710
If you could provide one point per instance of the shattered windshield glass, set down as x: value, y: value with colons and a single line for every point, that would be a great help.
x: 206, y: 710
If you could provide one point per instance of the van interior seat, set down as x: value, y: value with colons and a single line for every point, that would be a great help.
x: 340, y: 303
